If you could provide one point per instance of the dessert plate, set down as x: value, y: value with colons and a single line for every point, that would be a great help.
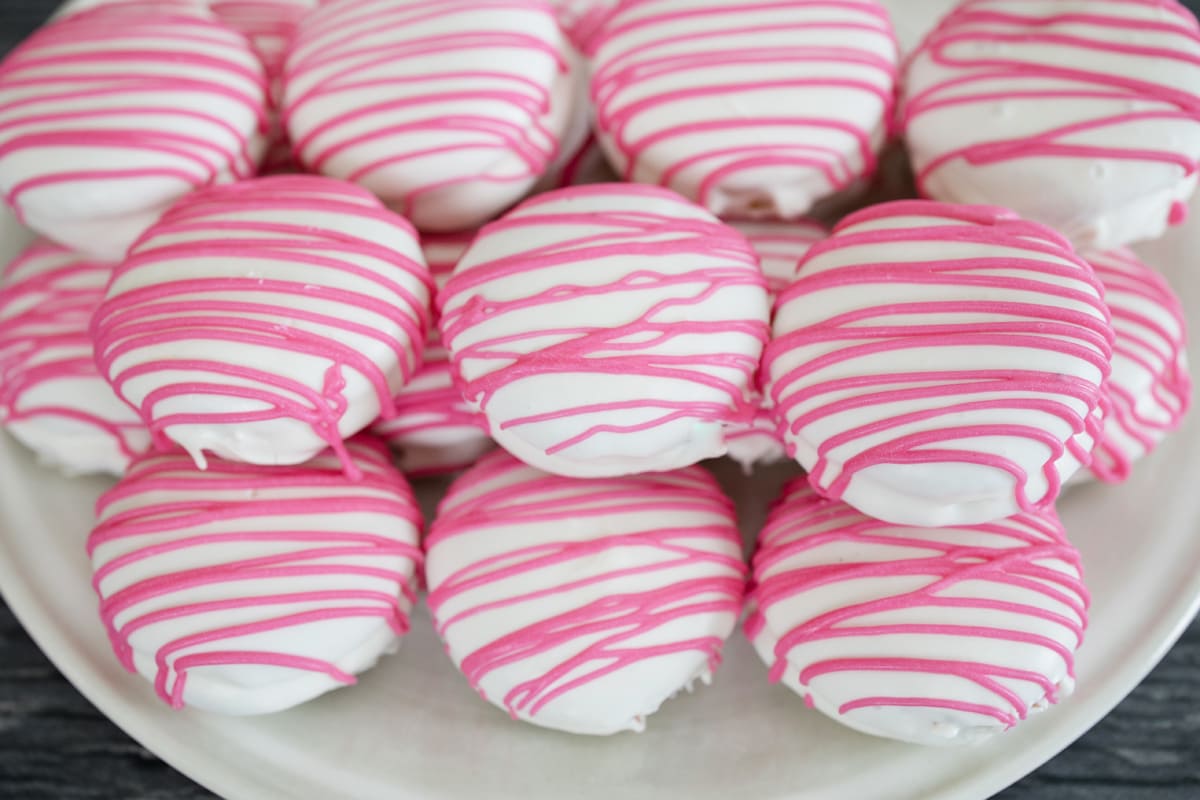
x: 413, y: 729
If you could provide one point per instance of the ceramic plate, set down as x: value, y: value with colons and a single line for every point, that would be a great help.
x: 413, y: 729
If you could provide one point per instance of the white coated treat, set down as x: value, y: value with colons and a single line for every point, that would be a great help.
x: 607, y: 329
x: 939, y: 364
x: 266, y: 321
x: 1080, y: 115
x: 752, y: 110
x: 449, y: 110
x: 248, y: 590
x: 583, y: 605
x: 435, y: 430
x: 110, y: 114
x: 1149, y: 390
x: 52, y: 397
x: 779, y: 246
x: 934, y: 636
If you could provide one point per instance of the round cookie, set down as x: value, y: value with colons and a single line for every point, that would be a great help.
x: 110, y: 114
x: 52, y: 397
x: 749, y: 110
x: 1149, y: 389
x: 435, y: 430
x: 780, y: 246
x: 934, y: 636
x: 939, y: 364
x: 1083, y: 116
x: 248, y: 590
x: 268, y: 320
x: 583, y: 605
x: 607, y: 329
x: 448, y: 110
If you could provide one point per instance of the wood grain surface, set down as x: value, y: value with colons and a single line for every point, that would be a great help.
x: 54, y: 745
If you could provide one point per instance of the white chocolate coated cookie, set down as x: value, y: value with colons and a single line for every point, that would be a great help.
x: 752, y: 110
x: 934, y: 636
x: 248, y: 590
x: 607, y: 329
x: 449, y: 110
x: 1083, y: 116
x: 268, y: 320
x: 583, y: 605
x: 1149, y: 390
x: 939, y: 364
x: 52, y: 397
x: 110, y: 114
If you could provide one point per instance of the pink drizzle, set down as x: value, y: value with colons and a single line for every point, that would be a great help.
x: 1027, y: 553
x: 528, y: 496
x: 330, y: 60
x: 1147, y: 343
x: 431, y: 405
x: 227, y: 308
x: 586, y: 237
x: 965, y: 44
x: 102, y: 79
x: 170, y: 509
x: 644, y: 42
x: 1043, y: 256
x: 47, y: 296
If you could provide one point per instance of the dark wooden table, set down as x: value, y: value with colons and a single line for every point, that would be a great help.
x: 54, y: 745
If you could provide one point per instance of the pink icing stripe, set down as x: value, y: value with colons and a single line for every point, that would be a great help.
x: 639, y: 45
x: 333, y: 39
x: 618, y: 349
x: 1025, y: 258
x: 47, y: 296
x: 610, y: 624
x: 107, y: 65
x: 1027, y: 554
x: 1145, y: 345
x: 171, y: 511
x: 241, y: 221
x: 970, y: 79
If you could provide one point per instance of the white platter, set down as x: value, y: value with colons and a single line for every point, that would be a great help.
x: 413, y: 729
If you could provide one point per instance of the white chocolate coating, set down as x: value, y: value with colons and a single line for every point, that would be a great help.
x: 583, y: 605
x: 52, y: 398
x: 247, y: 590
x: 751, y: 110
x: 1082, y: 116
x: 939, y: 364
x: 934, y: 636
x: 266, y: 321
x: 448, y: 110
x: 607, y: 329
x: 110, y: 114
